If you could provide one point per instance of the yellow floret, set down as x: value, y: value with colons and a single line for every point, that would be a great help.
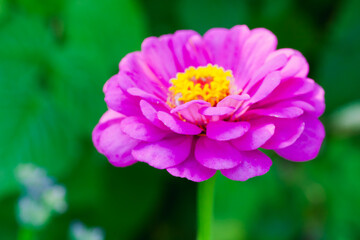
x: 210, y: 83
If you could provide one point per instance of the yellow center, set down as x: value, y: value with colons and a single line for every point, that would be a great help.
x: 210, y: 83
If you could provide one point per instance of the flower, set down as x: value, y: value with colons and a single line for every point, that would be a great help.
x: 78, y: 231
x: 195, y: 104
x: 41, y: 198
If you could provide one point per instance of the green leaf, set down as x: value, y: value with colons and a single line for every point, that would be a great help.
x: 203, y: 15
x: 42, y: 7
x: 32, y: 128
x: 119, y: 200
x: 337, y: 197
x: 108, y: 28
x: 339, y: 69
x: 3, y: 9
x: 95, y: 41
x: 242, y: 207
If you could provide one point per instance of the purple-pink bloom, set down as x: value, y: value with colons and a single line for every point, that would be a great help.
x: 195, y: 104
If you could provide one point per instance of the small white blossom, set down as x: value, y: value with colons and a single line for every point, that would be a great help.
x: 78, y: 231
x: 41, y: 198
x: 32, y: 213
x: 34, y: 179
x: 54, y: 198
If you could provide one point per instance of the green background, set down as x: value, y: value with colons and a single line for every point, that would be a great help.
x: 55, y: 57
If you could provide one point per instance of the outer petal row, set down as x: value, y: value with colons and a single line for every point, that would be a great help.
x: 111, y: 141
x: 274, y: 87
x: 174, y: 152
x: 192, y: 170
x: 254, y: 163
x: 165, y: 153
x: 307, y: 146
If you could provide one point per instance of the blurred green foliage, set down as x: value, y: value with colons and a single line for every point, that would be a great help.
x: 54, y: 59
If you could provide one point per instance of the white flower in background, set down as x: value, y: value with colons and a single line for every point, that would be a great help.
x: 34, y: 179
x: 41, y: 199
x: 78, y: 231
x: 54, y: 198
x: 32, y: 213
x: 346, y: 119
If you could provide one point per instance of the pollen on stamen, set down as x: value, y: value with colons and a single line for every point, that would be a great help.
x: 210, y: 83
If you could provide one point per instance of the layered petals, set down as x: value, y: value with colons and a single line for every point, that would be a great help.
x: 223, y: 131
x: 111, y: 141
x: 177, y: 125
x: 119, y: 100
x: 216, y: 154
x: 279, y: 110
x: 195, y: 104
x: 190, y: 111
x: 316, y: 99
x: 141, y: 129
x: 287, y: 131
x: 267, y: 86
x: 253, y: 163
x: 192, y: 170
x: 259, y: 133
x: 296, y: 66
x: 307, y: 146
x: 165, y: 153
x: 256, y: 48
x: 150, y: 112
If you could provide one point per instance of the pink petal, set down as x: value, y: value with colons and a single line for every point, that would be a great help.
x: 191, y: 170
x: 224, y: 131
x: 214, y: 40
x: 255, y: 50
x: 289, y: 108
x: 215, y: 111
x: 307, y: 146
x: 301, y: 104
x: 213, y: 114
x: 119, y: 101
x: 286, y: 132
x: 316, y: 99
x: 231, y: 49
x: 159, y: 57
x: 215, y: 154
x: 137, y: 92
x: 109, y: 115
x: 197, y: 54
x: 256, y: 136
x: 253, y: 163
x: 280, y: 110
x: 270, y: 66
x: 268, y: 85
x: 165, y: 153
x: 178, y: 126
x: 233, y: 101
x: 290, y: 88
x: 177, y: 45
x: 150, y: 112
x: 297, y: 65
x: 141, y: 129
x: 124, y: 81
x: 109, y: 140
x: 135, y: 66
x: 190, y: 111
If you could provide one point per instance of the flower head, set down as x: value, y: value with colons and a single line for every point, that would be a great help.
x: 41, y: 198
x: 78, y: 231
x: 195, y: 104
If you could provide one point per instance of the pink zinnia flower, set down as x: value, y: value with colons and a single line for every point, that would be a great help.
x: 195, y: 104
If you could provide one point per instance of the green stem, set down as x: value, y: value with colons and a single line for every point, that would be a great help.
x: 26, y: 234
x: 205, y: 200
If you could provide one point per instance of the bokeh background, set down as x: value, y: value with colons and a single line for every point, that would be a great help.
x: 55, y: 57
